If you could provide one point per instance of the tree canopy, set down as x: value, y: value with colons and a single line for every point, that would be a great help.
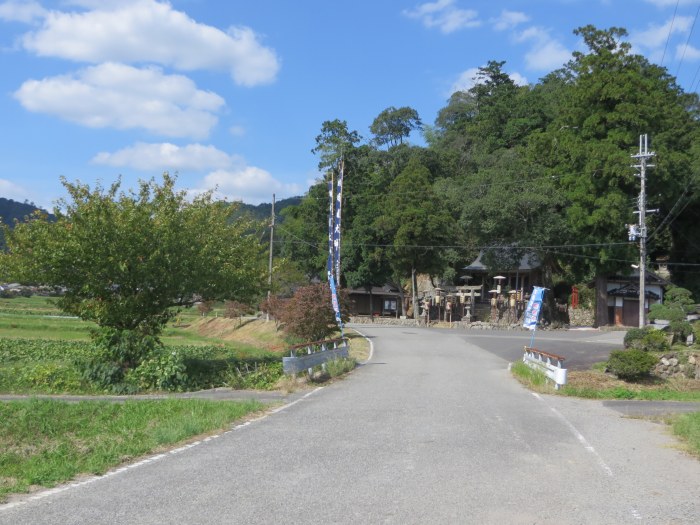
x: 544, y: 168
x: 125, y: 258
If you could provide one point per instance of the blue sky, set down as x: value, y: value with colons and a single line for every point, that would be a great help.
x: 232, y: 94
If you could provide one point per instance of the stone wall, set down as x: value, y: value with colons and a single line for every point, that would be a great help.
x: 476, y: 325
x: 679, y: 364
x: 581, y: 317
x: 382, y: 321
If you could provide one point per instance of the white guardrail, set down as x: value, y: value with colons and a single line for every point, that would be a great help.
x: 314, y: 354
x: 550, y: 364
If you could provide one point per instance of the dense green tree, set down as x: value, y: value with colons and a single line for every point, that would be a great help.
x: 609, y: 97
x: 417, y: 225
x: 334, y: 141
x: 128, y: 260
x: 393, y: 125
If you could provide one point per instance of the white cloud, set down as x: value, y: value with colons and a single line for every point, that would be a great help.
x: 509, y: 20
x: 546, y: 53
x: 465, y: 81
x: 519, y: 79
x: 166, y: 157
x: 123, y: 97
x: 248, y: 183
x: 655, y: 36
x: 468, y: 79
x: 27, y: 12
x: 10, y: 190
x: 237, y: 131
x: 141, y: 31
x: 687, y: 52
x: 444, y: 15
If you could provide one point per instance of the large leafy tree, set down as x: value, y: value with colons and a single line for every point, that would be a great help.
x: 393, y: 125
x: 128, y: 259
x: 608, y: 98
x: 333, y: 142
x: 417, y: 224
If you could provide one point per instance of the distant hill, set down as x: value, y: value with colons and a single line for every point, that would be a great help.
x: 11, y: 210
x: 264, y: 210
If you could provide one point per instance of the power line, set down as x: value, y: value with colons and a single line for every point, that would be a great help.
x: 551, y: 249
x: 687, y: 42
x: 670, y: 30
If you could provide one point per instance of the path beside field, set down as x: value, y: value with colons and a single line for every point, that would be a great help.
x: 432, y: 430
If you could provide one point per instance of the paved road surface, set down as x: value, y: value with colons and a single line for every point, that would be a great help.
x: 432, y: 430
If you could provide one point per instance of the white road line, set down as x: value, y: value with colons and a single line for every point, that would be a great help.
x: 371, y: 345
x: 604, y: 466
x: 88, y: 481
x: 579, y: 437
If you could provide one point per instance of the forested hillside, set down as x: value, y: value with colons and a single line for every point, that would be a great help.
x: 11, y: 210
x: 264, y: 210
x: 509, y: 169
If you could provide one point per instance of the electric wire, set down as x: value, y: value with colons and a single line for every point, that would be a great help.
x: 670, y: 30
x: 687, y: 42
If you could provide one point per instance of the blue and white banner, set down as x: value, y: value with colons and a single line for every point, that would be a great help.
x: 333, y: 264
x: 336, y: 304
x: 331, y: 258
x: 534, y: 308
x: 336, y: 228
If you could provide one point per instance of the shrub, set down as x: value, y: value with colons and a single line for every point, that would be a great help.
x: 648, y: 339
x: 235, y: 309
x: 338, y: 367
x: 162, y: 370
x: 274, y: 306
x: 632, y: 364
x: 260, y: 376
x: 205, y: 307
x: 103, y: 374
x: 633, y: 335
x: 662, y: 311
x: 51, y: 377
x: 125, y: 347
x: 681, y: 330
x: 309, y: 314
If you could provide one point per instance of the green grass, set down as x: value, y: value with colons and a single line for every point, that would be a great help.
x: 659, y: 394
x: 47, y: 442
x: 530, y: 377
x: 687, y: 428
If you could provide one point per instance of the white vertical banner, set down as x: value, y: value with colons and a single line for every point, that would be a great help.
x: 336, y: 229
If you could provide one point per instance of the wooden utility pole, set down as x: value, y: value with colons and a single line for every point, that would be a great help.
x: 272, y: 239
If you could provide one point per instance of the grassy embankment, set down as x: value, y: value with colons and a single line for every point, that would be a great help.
x: 47, y: 442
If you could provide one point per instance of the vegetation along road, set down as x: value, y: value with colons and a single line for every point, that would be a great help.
x: 432, y: 430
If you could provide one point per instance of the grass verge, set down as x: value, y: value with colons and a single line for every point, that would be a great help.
x: 596, y: 384
x: 359, y: 345
x: 47, y: 442
x: 687, y: 428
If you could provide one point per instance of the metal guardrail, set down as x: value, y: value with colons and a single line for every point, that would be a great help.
x: 551, y: 364
x: 314, y: 354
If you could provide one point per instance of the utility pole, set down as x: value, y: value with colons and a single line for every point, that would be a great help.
x: 643, y: 155
x: 269, y: 274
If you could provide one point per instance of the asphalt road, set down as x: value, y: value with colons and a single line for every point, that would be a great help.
x: 432, y: 430
x: 581, y: 348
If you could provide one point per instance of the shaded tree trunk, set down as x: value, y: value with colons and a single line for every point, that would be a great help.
x: 601, y: 301
x: 414, y: 292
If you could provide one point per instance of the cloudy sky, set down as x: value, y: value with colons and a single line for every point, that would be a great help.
x: 230, y: 95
